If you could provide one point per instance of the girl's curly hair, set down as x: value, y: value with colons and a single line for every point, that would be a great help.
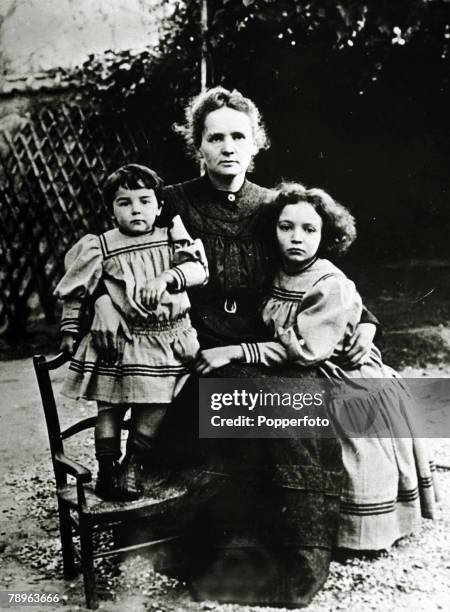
x: 211, y: 100
x: 338, y: 224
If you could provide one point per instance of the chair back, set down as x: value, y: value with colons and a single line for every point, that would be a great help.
x: 42, y: 368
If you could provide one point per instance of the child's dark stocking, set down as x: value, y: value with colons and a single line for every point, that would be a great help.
x: 107, y: 450
x: 139, y: 467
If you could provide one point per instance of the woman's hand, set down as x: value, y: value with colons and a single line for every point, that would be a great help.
x: 67, y: 344
x: 109, y: 330
x: 212, y: 359
x: 359, y: 345
x: 152, y: 293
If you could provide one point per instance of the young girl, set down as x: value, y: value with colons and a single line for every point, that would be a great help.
x: 145, y: 269
x: 313, y: 309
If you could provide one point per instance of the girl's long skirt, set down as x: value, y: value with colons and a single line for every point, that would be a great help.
x: 389, y: 484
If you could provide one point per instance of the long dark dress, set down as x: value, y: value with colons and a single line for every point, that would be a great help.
x: 266, y: 536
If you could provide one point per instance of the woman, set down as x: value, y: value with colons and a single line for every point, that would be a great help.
x: 285, y: 524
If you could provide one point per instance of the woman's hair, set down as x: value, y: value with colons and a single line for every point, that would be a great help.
x: 132, y: 176
x: 211, y: 100
x: 338, y: 224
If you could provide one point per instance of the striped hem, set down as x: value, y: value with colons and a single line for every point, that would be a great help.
x: 425, y: 482
x: 120, y: 371
x: 373, y: 509
x: 407, y: 496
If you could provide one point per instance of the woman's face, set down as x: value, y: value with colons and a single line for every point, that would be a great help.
x: 227, y: 146
x: 299, y: 230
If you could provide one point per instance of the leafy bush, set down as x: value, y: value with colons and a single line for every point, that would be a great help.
x: 355, y: 93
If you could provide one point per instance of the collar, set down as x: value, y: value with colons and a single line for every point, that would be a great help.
x: 230, y: 199
x: 136, y: 236
x: 305, y: 266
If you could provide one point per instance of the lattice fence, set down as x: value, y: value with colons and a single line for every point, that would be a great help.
x: 51, y: 171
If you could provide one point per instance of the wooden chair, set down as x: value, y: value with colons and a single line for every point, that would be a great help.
x: 81, y: 512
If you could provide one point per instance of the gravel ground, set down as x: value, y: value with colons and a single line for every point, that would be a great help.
x: 413, y: 576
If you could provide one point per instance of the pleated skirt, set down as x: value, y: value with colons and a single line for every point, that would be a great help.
x: 153, y: 368
x: 389, y: 483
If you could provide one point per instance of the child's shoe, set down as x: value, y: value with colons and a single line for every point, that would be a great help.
x: 130, y: 477
x: 106, y: 486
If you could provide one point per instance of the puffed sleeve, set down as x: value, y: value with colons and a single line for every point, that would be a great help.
x: 190, y: 266
x: 319, y: 329
x: 84, y: 267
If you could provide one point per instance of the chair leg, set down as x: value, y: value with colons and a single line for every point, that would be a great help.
x: 65, y: 530
x: 87, y: 562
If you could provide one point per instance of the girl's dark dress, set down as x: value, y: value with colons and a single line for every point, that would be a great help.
x: 275, y: 516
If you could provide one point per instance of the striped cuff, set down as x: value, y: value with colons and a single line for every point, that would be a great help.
x: 70, y: 325
x: 251, y: 352
x: 70, y: 317
x: 179, y: 277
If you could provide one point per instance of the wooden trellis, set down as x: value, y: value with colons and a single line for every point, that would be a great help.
x: 51, y: 171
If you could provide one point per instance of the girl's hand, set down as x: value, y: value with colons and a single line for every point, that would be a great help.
x: 151, y: 295
x: 67, y: 344
x: 359, y: 345
x: 109, y: 330
x: 212, y: 359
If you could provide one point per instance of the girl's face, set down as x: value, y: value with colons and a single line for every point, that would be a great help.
x: 299, y: 230
x: 228, y: 145
x: 135, y: 210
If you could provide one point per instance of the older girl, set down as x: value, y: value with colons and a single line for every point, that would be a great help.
x: 313, y: 309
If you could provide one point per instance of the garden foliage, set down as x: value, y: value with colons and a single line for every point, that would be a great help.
x: 354, y: 92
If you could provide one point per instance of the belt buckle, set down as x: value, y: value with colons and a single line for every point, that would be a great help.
x: 230, y: 309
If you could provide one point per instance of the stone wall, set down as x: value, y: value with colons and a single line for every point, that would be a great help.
x: 38, y: 35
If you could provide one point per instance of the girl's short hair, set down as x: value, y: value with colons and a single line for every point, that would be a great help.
x: 132, y: 176
x: 338, y: 224
x: 211, y: 100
